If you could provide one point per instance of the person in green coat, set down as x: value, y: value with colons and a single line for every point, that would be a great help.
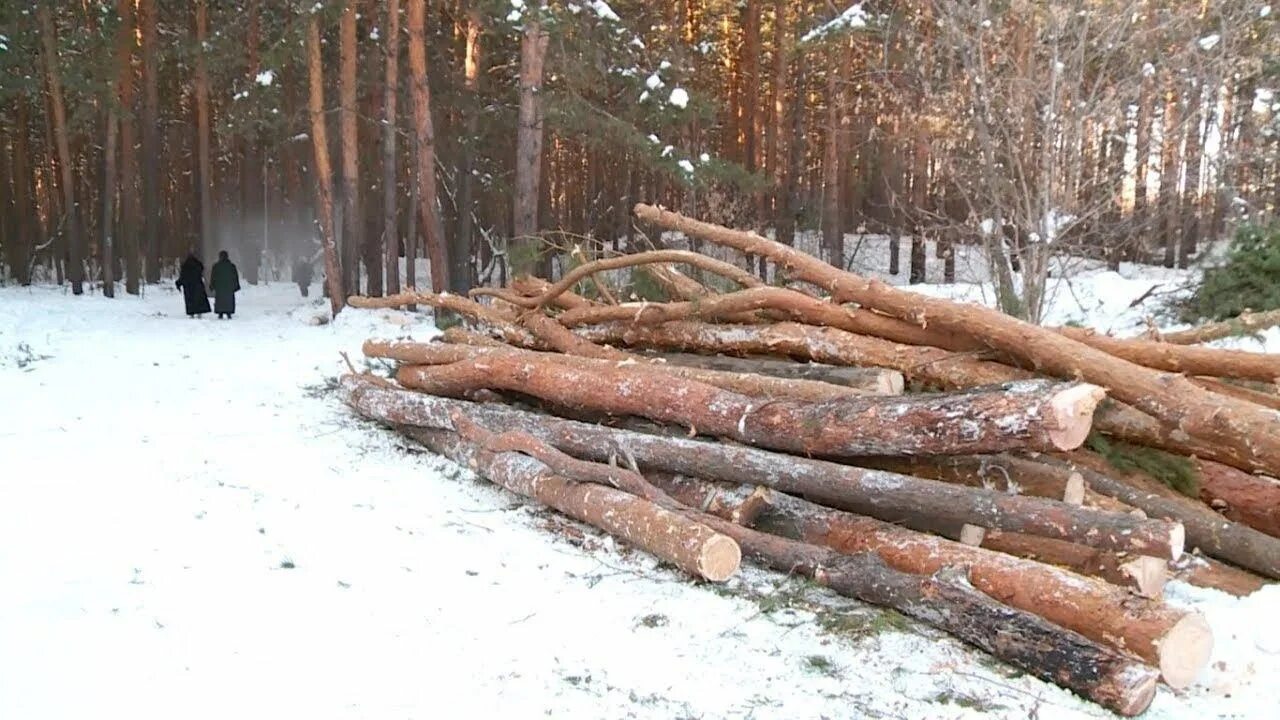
x: 224, y: 283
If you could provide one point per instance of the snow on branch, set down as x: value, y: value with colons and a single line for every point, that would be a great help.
x: 853, y: 17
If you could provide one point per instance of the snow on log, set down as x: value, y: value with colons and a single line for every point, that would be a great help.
x: 1209, y: 573
x: 1031, y: 414
x: 748, y: 384
x: 1176, y: 641
x: 1173, y: 399
x: 687, y: 544
x: 1186, y: 359
x: 870, y: 492
x: 1206, y: 530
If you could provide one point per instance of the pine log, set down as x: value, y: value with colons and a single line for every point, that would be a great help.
x: 674, y: 283
x: 1143, y: 574
x: 415, y: 353
x: 1209, y: 573
x: 1240, y: 392
x: 786, y: 304
x: 1173, y: 399
x: 531, y: 286
x: 870, y: 492
x: 487, y: 317
x: 1030, y: 414
x: 1005, y: 473
x: 1184, y: 359
x: 1212, y: 534
x: 873, y: 381
x: 670, y: 536
x: 1176, y: 641
x: 930, y: 366
x: 1245, y: 324
x: 1250, y: 499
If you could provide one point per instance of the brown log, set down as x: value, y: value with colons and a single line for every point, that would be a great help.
x: 870, y: 492
x: 1212, y: 534
x: 1030, y: 414
x: 1245, y: 324
x: 674, y: 283
x: 1250, y: 499
x: 1185, y: 359
x: 787, y: 304
x: 461, y: 305
x: 1209, y: 573
x: 1177, y: 642
x: 1005, y: 473
x: 689, y: 545
x: 531, y: 286
x: 873, y: 381
x: 927, y: 365
x: 1172, y: 399
x: 1265, y: 399
x: 1143, y: 574
x: 414, y: 353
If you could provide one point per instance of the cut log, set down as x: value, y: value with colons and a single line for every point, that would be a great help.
x: 1173, y: 399
x: 1213, y: 535
x: 1177, y: 642
x: 783, y: 304
x: 1240, y: 392
x: 1030, y: 414
x: 754, y: 385
x: 487, y: 317
x: 874, y: 381
x: 1184, y: 359
x: 1250, y: 499
x: 1142, y: 574
x: 869, y: 492
x: 689, y: 545
x: 531, y: 286
x: 1209, y: 573
x: 1005, y: 473
x: 1246, y: 323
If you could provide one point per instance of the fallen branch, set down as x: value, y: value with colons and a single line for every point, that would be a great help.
x: 1244, y: 324
x: 1184, y: 359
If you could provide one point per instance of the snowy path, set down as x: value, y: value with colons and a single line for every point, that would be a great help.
x: 190, y: 527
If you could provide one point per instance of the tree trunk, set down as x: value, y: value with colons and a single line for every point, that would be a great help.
x: 1177, y: 642
x: 428, y: 206
x: 390, y: 126
x: 352, y: 224
x: 525, y: 251
x: 252, y: 188
x: 670, y: 536
x: 20, y: 248
x: 1246, y: 429
x: 873, y: 381
x: 148, y: 14
x: 1191, y: 206
x: 1170, y: 172
x: 1033, y: 415
x: 832, y: 227
x: 775, y: 144
x: 323, y: 169
x: 919, y: 203
x: 111, y: 127
x: 204, y: 166
x: 128, y: 158
x: 464, y: 254
x: 53, y: 78
x: 789, y: 199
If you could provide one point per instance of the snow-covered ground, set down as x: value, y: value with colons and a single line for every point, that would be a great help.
x: 192, y: 526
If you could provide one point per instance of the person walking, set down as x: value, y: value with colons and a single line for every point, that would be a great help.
x: 191, y: 283
x: 302, y: 276
x: 224, y: 281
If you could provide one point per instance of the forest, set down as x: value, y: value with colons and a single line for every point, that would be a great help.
x: 495, y: 138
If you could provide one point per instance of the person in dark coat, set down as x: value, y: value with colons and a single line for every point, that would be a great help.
x: 302, y: 276
x: 191, y: 283
x: 224, y: 281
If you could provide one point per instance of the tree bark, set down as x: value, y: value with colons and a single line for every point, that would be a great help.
x: 390, y: 188
x: 1172, y: 358
x: 1209, y: 573
x: 1205, y: 529
x: 428, y: 208
x: 1142, y: 574
x: 323, y: 169
x: 1245, y: 324
x: 148, y: 14
x: 204, y: 166
x: 53, y: 78
x: 1177, y: 642
x: 464, y: 254
x: 411, y: 353
x: 20, y: 247
x: 128, y: 157
x: 670, y: 536
x: 352, y: 219
x: 252, y: 189
x: 1191, y: 207
x: 1031, y: 414
x: 877, y: 493
x: 1170, y: 172
x: 832, y: 226
x: 525, y: 247
x: 1252, y: 432
x: 111, y: 127
x: 1250, y: 499
x: 872, y: 381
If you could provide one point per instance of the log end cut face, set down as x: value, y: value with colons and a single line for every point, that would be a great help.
x: 1073, y: 415
x: 720, y: 558
x: 1185, y: 650
x: 1136, y: 689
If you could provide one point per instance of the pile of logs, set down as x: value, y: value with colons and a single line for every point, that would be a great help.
x: 771, y: 422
